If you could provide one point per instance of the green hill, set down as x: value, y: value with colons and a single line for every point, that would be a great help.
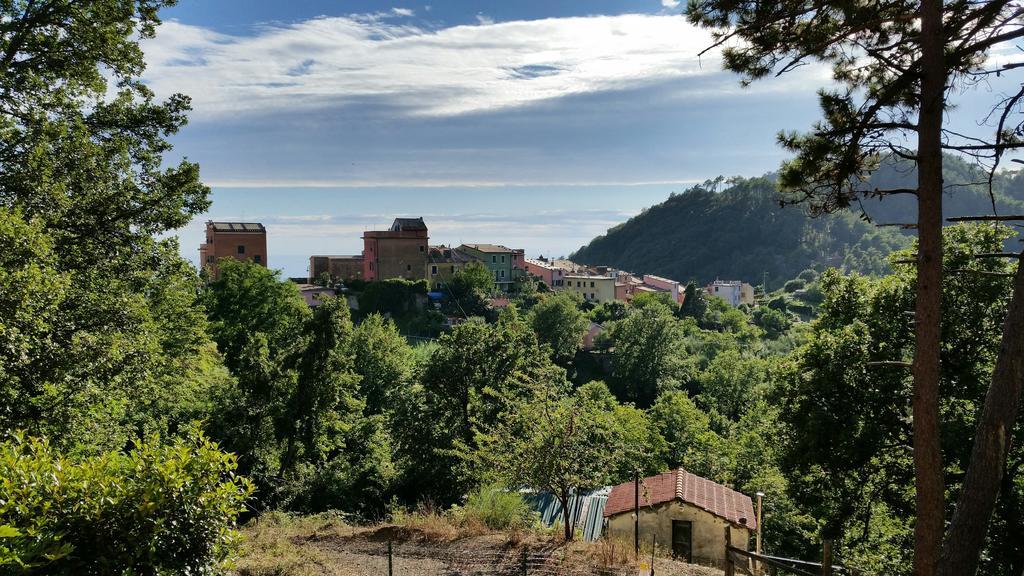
x: 742, y: 233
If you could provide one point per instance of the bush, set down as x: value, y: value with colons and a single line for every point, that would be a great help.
x: 497, y: 509
x: 793, y: 285
x: 167, y: 509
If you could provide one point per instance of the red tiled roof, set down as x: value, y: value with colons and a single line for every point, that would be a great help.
x: 679, y: 484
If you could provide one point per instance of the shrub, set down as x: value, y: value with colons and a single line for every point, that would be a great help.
x: 498, y: 509
x: 167, y: 509
x: 793, y: 285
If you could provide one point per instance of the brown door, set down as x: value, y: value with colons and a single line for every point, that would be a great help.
x: 682, y: 540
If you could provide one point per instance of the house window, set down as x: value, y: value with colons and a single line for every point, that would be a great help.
x: 433, y: 270
x: 371, y: 266
x: 241, y: 249
x: 591, y: 283
x: 502, y: 273
x: 495, y: 274
x: 503, y: 259
x: 209, y: 259
x: 716, y: 288
x: 257, y: 259
x: 494, y: 259
x: 421, y: 248
x: 408, y: 267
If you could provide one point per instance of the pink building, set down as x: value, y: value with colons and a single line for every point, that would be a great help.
x: 546, y: 271
x: 677, y: 290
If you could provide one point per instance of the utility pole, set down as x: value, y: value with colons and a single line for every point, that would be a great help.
x: 757, y: 545
x: 636, y: 514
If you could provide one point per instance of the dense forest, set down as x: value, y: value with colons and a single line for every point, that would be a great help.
x: 146, y: 410
x: 741, y: 232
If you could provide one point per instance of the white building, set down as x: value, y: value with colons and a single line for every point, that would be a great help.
x: 734, y: 292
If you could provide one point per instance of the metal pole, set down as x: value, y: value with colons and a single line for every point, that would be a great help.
x: 654, y: 546
x: 757, y: 565
x: 636, y: 514
x: 390, y: 573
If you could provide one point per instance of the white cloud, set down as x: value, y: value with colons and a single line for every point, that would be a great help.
x: 484, y: 19
x: 670, y: 3
x: 337, y: 61
x: 407, y: 12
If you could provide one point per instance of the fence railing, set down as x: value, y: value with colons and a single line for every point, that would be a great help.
x: 403, y: 559
x: 759, y: 564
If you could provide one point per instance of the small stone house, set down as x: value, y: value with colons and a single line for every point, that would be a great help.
x: 688, y: 514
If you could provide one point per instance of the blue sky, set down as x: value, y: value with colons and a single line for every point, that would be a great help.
x: 536, y: 124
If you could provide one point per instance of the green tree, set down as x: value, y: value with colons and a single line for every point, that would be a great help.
x: 473, y: 380
x: 893, y: 64
x: 324, y: 404
x: 689, y: 440
x: 846, y: 399
x: 733, y: 383
x: 560, y: 324
x: 383, y: 359
x: 645, y: 355
x: 561, y: 445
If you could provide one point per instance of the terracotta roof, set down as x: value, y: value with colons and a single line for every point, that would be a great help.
x: 491, y: 248
x: 679, y: 484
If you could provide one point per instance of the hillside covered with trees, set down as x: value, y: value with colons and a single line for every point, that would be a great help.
x: 741, y: 232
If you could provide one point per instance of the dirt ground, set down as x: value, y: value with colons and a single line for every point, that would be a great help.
x: 325, y: 547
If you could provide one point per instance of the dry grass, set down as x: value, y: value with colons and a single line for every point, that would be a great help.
x: 426, y: 543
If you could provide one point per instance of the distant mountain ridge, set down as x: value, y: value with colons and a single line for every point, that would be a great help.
x: 741, y: 233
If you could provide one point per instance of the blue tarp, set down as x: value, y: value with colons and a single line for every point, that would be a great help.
x: 587, y: 511
x: 435, y: 295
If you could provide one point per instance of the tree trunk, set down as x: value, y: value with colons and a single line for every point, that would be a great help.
x: 928, y: 475
x: 991, y: 445
x: 566, y: 518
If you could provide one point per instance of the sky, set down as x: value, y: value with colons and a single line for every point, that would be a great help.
x: 536, y: 124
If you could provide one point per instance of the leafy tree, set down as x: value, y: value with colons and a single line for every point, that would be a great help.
x: 793, y: 285
x: 695, y: 303
x: 893, y: 64
x: 473, y: 380
x: 773, y: 322
x: 324, y: 404
x: 560, y: 324
x: 560, y: 445
x: 689, y: 440
x: 732, y: 384
x: 608, y: 312
x: 845, y: 402
x: 383, y: 359
x: 645, y: 354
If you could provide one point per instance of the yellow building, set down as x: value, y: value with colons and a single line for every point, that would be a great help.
x: 593, y: 288
x: 689, y: 515
x: 443, y: 262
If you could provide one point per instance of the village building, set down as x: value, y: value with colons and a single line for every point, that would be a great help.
x: 676, y: 290
x: 506, y: 264
x: 314, y: 295
x: 594, y: 287
x: 686, y: 512
x: 238, y: 240
x: 443, y: 263
x: 733, y: 292
x: 544, y: 270
x: 398, y: 252
x: 337, y: 268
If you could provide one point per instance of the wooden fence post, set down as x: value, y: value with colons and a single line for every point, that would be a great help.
x: 390, y: 572
x: 826, y: 558
x: 730, y: 568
